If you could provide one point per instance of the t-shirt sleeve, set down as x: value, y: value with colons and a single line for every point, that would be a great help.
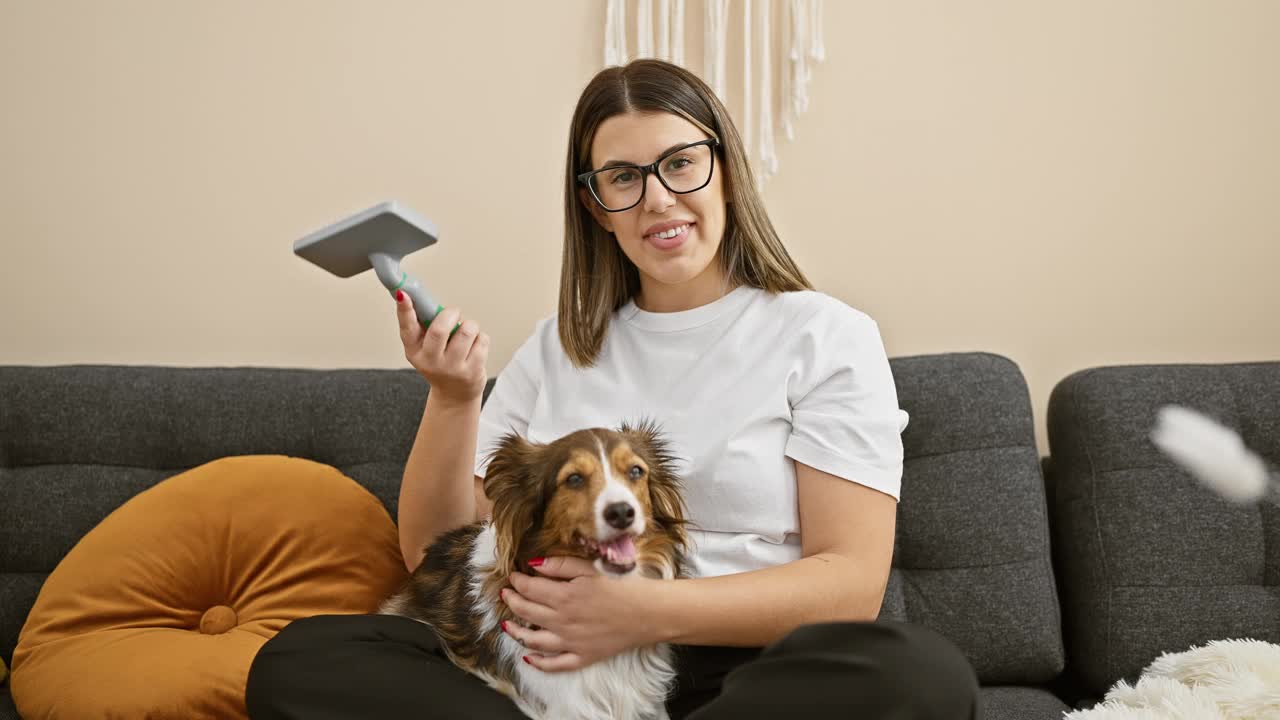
x: 510, y: 402
x: 845, y: 418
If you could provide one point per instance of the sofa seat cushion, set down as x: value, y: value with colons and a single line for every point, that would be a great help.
x: 158, y: 611
x: 1019, y: 703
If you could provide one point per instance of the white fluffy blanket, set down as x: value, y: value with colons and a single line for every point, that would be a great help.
x: 1224, y: 680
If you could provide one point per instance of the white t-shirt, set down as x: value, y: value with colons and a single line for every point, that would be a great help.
x: 739, y: 387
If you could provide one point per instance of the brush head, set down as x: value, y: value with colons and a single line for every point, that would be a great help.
x: 344, y: 248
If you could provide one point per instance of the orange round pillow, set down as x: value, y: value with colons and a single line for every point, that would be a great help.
x: 158, y: 611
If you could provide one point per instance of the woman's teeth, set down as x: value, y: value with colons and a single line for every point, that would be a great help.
x: 668, y: 234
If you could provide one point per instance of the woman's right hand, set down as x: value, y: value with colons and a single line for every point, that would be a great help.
x: 453, y: 366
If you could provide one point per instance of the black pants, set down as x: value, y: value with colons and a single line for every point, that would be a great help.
x: 381, y: 666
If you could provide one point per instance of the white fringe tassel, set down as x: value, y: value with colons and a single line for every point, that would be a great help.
x: 817, y: 52
x: 664, y: 30
x: 615, y: 33
x: 716, y: 29
x: 768, y: 156
x: 644, y: 28
x: 746, y: 75
x: 677, y: 33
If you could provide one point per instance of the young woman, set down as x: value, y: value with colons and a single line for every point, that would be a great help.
x: 679, y: 303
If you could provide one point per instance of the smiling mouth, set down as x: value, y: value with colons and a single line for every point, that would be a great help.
x: 670, y: 239
x: 617, y: 555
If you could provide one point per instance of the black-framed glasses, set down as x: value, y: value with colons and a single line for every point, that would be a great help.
x: 680, y: 170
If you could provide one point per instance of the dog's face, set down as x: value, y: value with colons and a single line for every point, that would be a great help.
x: 609, y: 496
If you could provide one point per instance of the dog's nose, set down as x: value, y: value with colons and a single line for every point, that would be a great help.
x: 619, y: 514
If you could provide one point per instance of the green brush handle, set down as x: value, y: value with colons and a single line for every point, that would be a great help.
x: 424, y: 306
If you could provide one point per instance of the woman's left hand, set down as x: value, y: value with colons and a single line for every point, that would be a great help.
x: 586, y: 619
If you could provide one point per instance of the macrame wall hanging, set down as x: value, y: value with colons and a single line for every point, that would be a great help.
x: 802, y: 47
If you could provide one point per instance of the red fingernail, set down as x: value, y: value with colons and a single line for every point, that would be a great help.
x: 504, y: 627
x: 399, y: 296
x: 526, y: 659
x: 537, y: 562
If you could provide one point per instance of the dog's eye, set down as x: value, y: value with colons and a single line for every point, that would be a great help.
x: 636, y: 472
x: 574, y: 481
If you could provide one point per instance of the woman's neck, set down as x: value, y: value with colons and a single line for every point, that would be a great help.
x: 706, y: 288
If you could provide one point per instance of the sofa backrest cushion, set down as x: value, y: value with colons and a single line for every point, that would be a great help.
x: 972, y: 556
x: 1149, y: 560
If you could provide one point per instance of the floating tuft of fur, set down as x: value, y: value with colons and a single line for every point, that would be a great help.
x: 1211, y: 452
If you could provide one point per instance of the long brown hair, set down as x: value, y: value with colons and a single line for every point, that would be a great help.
x: 596, y: 277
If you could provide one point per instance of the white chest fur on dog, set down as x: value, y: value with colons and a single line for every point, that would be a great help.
x: 632, y: 685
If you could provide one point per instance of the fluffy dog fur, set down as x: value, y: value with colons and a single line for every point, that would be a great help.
x: 1224, y: 680
x: 562, y: 498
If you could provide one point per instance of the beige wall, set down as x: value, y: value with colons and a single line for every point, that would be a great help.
x: 1065, y: 183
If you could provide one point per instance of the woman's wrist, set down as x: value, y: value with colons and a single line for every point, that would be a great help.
x: 661, y: 613
x: 441, y: 401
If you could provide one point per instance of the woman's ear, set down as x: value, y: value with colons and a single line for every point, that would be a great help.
x: 510, y: 483
x: 593, y: 207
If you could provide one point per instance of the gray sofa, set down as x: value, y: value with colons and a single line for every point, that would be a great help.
x: 1052, y: 595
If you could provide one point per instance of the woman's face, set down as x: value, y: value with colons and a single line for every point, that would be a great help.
x: 686, y: 260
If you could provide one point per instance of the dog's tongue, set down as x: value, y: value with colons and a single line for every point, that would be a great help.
x: 620, y: 551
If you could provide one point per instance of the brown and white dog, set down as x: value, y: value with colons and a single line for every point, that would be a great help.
x: 605, y: 495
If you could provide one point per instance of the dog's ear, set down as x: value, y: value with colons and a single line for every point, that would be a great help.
x: 511, y: 484
x: 647, y: 440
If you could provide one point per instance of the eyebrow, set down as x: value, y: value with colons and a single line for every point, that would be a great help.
x: 612, y: 163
